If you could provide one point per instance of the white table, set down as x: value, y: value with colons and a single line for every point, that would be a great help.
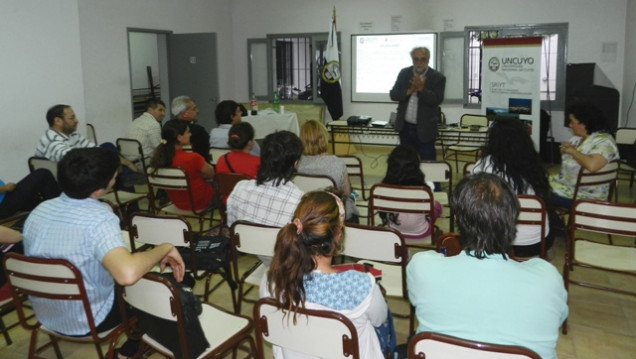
x: 266, y: 123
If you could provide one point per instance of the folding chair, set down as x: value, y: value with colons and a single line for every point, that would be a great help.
x: 355, y: 170
x: 53, y: 279
x: 121, y: 200
x: 131, y: 149
x: 384, y: 249
x: 90, y: 133
x: 441, y: 172
x: 255, y: 239
x: 308, y: 183
x: 404, y: 199
x: 468, y: 167
x: 157, y: 296
x: 216, y: 153
x: 432, y: 345
x: 533, y: 213
x: 468, y: 141
x: 149, y: 230
x: 41, y: 162
x: 626, y: 142
x: 589, y: 218
x: 175, y: 179
x: 226, y: 183
x: 319, y: 333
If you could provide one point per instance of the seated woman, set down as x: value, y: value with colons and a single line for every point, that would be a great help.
x: 174, y: 135
x: 591, y: 148
x: 510, y: 154
x: 316, y: 161
x: 239, y: 160
x: 228, y: 113
x: 403, y: 169
x: 25, y: 195
x: 301, y: 275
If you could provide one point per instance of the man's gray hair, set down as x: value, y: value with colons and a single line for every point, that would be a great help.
x: 421, y: 48
x: 179, y: 105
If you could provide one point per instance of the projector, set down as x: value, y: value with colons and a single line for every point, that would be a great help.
x: 358, y: 120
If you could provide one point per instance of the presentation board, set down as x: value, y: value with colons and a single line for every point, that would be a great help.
x: 378, y: 58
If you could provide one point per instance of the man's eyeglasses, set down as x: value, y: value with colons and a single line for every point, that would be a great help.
x: 420, y: 59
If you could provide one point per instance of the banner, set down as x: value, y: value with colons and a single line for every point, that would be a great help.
x: 330, y: 89
x: 511, y: 81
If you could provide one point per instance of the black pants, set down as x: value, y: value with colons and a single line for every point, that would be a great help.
x: 113, y: 319
x: 36, y: 187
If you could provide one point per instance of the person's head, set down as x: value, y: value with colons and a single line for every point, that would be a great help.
x: 241, y: 136
x: 420, y: 56
x: 184, y: 108
x: 585, y: 118
x: 486, y: 211
x: 228, y: 112
x: 513, y: 156
x: 316, y: 231
x: 156, y: 108
x: 82, y: 171
x: 279, y: 157
x: 61, y: 118
x: 403, y: 167
x: 174, y: 134
x: 313, y: 136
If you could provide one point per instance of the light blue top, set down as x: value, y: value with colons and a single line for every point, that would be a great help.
x: 490, y: 300
x: 338, y: 291
x: 2, y: 193
x: 81, y: 231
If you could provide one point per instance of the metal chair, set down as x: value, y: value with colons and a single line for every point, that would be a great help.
x: 589, y: 218
x: 53, y: 279
x: 226, y: 183
x: 308, y: 183
x: 157, y: 296
x: 404, y: 199
x: 355, y: 170
x: 626, y: 142
x: 216, y: 153
x: 320, y: 333
x: 148, y: 230
x: 468, y: 142
x: 533, y: 213
x: 432, y: 345
x: 41, y: 162
x: 441, y: 172
x: 255, y: 239
x: 90, y: 133
x: 131, y: 149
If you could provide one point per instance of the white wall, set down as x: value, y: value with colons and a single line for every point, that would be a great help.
x: 629, y: 87
x: 40, y: 67
x: 104, y: 52
x: 591, y: 23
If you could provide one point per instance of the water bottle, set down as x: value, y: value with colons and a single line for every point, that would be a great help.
x: 276, y: 103
x: 253, y: 105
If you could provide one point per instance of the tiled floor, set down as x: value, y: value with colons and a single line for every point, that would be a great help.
x: 601, y: 324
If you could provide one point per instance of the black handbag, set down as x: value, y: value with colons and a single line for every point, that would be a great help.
x: 211, y: 253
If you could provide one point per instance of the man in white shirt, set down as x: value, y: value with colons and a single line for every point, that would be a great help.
x: 147, y: 128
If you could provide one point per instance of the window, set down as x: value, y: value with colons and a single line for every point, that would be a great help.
x: 553, y: 62
x: 294, y: 62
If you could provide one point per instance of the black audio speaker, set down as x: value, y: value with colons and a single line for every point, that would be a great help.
x: 588, y: 82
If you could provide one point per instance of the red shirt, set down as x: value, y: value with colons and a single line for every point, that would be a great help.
x: 240, y: 161
x: 192, y: 163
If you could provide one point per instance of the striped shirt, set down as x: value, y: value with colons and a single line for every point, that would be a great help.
x: 54, y: 145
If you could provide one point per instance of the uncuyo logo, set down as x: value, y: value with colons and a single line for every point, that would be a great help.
x: 493, y: 64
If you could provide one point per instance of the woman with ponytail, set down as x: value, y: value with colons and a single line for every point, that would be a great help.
x: 174, y: 135
x: 301, y: 275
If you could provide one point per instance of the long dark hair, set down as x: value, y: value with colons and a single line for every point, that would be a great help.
x: 403, y: 169
x: 513, y: 157
x: 165, y: 151
x: 316, y: 230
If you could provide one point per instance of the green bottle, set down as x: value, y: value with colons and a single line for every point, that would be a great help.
x: 276, y: 103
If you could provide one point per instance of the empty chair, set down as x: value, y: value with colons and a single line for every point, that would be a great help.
x: 470, y: 138
x: 308, y: 183
x: 216, y: 153
x: 588, y: 219
x: 441, y: 172
x: 626, y: 142
x: 431, y: 345
x: 320, y: 333
x: 53, y: 279
x: 90, y: 133
x: 157, y: 296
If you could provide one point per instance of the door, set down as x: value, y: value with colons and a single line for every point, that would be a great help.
x: 194, y: 72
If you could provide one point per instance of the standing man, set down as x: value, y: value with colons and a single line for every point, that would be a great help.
x: 183, y: 108
x: 419, y: 91
x: 147, y: 128
x: 77, y: 227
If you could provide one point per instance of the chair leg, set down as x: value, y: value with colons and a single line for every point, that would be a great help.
x: 5, y: 332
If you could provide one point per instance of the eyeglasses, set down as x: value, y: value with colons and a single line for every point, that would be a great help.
x: 420, y: 59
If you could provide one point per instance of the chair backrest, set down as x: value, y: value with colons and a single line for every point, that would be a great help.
x: 131, y: 149
x: 216, y: 153
x: 437, y: 171
x: 169, y: 179
x: 468, y: 167
x: 400, y: 199
x: 41, y: 162
x: 227, y: 181
x: 473, y: 120
x: 626, y: 136
x: 253, y: 238
x: 603, y: 217
x: 54, y: 279
x: 320, y: 333
x: 605, y: 176
x: 431, y: 345
x: 90, y: 133
x: 533, y: 213
x: 308, y: 183
x: 354, y: 170
x: 146, y: 228
x: 449, y: 245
